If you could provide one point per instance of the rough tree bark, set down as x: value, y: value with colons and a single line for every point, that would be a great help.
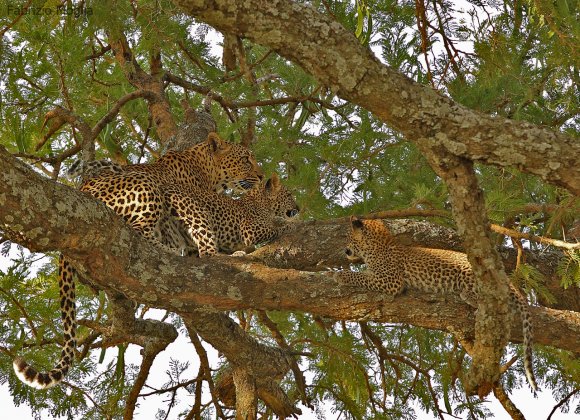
x: 246, y: 395
x: 45, y: 216
x: 493, y: 315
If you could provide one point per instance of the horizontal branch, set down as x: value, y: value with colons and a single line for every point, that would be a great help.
x: 245, y: 104
x: 104, y: 49
x: 534, y: 238
x: 387, y: 214
x: 45, y: 216
x: 108, y: 117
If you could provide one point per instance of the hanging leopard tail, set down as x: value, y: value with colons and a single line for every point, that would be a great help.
x: 43, y: 380
x: 527, y: 332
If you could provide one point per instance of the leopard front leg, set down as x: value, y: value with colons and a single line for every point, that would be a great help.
x: 197, y: 220
x: 254, y: 233
x: 370, y: 281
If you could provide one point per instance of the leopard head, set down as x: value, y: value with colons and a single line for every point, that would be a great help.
x: 237, y: 166
x: 276, y: 198
x: 283, y: 203
x: 366, y: 238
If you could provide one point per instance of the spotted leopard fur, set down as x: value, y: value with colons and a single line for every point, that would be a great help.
x: 229, y: 225
x: 217, y: 222
x: 138, y: 194
x: 391, y: 267
x: 84, y: 170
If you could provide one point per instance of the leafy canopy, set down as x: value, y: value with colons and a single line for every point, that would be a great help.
x: 514, y: 59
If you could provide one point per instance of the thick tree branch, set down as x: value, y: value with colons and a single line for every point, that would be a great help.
x: 44, y: 216
x: 333, y: 55
x: 204, y: 372
x: 449, y: 135
x: 506, y: 403
x: 255, y: 364
x: 496, y: 228
x: 493, y: 315
x: 159, y: 108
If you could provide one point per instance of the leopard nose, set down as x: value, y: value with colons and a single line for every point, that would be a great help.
x: 348, y: 252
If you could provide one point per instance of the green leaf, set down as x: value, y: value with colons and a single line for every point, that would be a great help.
x: 569, y: 269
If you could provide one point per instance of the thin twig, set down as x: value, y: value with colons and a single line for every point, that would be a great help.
x: 562, y: 402
x: 104, y: 49
x: 22, y: 12
x: 541, y: 239
x: 171, y: 388
x: 88, y: 395
x: 108, y: 117
x: 22, y: 309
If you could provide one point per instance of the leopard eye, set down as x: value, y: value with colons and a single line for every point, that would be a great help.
x: 291, y: 213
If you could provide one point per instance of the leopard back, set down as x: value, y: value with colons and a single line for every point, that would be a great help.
x: 137, y: 191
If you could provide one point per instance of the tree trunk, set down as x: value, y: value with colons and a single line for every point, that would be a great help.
x: 246, y: 395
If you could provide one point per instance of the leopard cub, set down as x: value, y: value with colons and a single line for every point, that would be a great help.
x: 391, y: 267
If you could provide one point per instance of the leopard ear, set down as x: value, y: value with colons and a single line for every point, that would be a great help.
x: 215, y: 142
x: 273, y: 184
x: 356, y: 223
x: 275, y: 181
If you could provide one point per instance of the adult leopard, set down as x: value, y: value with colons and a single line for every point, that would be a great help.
x: 391, y: 267
x: 138, y: 194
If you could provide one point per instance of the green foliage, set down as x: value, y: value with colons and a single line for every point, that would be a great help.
x: 521, y: 70
x: 530, y: 279
x: 31, y: 327
x: 569, y: 269
x: 513, y: 59
x: 363, y: 32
